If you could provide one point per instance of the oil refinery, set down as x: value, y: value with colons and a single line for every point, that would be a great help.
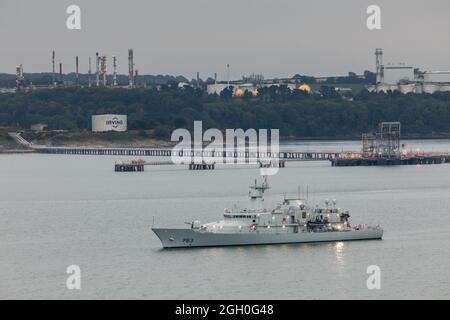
x: 401, y: 77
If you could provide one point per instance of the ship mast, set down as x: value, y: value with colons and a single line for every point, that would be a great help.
x: 257, y: 190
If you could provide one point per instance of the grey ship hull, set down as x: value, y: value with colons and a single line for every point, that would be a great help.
x: 181, y: 238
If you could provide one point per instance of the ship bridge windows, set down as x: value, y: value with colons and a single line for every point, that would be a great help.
x: 240, y: 216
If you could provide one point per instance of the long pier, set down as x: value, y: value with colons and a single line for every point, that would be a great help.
x: 338, y: 159
x: 291, y: 155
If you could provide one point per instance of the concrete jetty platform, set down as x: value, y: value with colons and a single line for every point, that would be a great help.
x: 380, y: 161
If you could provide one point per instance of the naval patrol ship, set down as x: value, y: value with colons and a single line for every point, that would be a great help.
x: 292, y: 221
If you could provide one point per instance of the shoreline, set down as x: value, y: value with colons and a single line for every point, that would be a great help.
x: 136, y: 139
x: 168, y: 145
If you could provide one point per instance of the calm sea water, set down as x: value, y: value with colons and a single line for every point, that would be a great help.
x: 57, y: 211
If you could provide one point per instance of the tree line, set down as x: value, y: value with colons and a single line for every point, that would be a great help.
x: 296, y: 113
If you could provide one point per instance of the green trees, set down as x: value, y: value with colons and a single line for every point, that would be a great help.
x: 296, y: 113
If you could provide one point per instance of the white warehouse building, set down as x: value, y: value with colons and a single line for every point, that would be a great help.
x: 109, y: 122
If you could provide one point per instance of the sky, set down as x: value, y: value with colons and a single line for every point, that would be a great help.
x: 277, y: 38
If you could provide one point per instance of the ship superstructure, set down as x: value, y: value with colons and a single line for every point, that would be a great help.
x: 291, y: 221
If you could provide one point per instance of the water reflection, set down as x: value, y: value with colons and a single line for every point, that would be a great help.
x: 339, y: 252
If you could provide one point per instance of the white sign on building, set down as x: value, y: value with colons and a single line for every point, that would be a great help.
x: 109, y: 122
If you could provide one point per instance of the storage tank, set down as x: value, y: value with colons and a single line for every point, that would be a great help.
x: 407, y: 88
x: 430, y: 87
x: 444, y: 87
x: 109, y: 122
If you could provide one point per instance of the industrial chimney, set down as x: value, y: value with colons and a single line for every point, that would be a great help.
x: 53, y: 69
x: 61, y: 82
x: 130, y: 68
x: 76, y: 71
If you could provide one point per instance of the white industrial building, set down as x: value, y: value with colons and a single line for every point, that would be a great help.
x: 109, y: 122
x: 397, y: 73
x: 216, y: 88
x: 436, y: 76
x: 405, y: 79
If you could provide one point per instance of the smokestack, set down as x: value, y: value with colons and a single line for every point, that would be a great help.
x: 136, y: 75
x: 76, y: 71
x: 60, y: 74
x: 130, y: 68
x: 215, y: 77
x: 198, y: 79
x: 53, y: 68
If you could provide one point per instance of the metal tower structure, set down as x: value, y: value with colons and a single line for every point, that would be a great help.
x: 388, y: 139
x: 379, y: 65
x: 369, y: 144
x: 131, y: 68
x: 385, y: 143
x: 103, y: 70
x: 97, y: 69
x: 114, y: 80
x: 20, y: 79
x: 90, y: 72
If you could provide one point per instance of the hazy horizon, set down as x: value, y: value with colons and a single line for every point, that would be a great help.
x: 275, y: 38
